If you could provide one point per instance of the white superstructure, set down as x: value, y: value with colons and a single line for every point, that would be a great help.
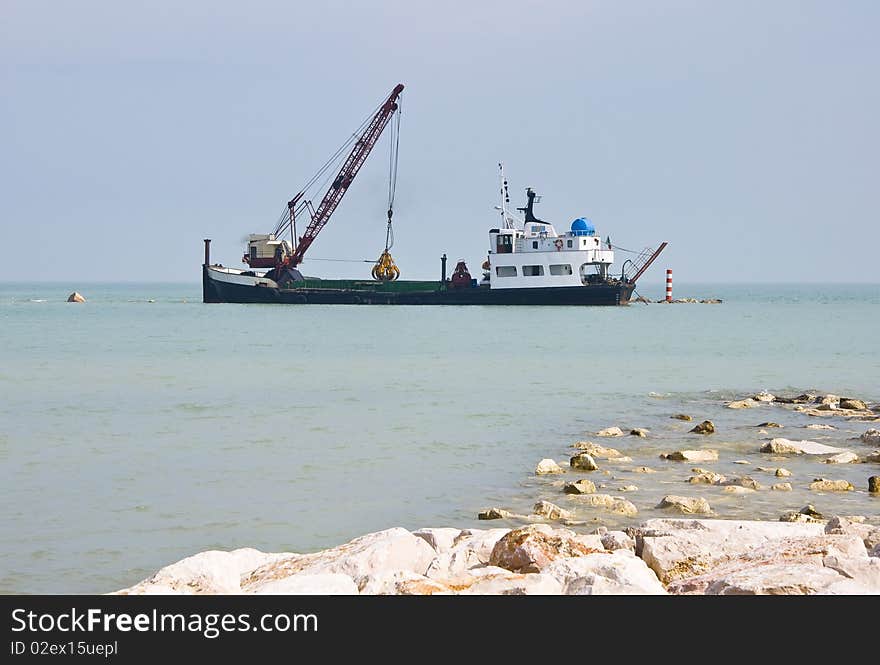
x: 532, y: 254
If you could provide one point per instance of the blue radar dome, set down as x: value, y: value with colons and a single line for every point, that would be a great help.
x: 583, y: 227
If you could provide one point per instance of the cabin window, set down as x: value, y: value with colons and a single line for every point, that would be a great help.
x: 504, y: 244
x: 535, y: 244
x: 569, y: 244
x: 505, y: 271
x: 560, y: 269
x: 253, y: 251
x: 533, y: 271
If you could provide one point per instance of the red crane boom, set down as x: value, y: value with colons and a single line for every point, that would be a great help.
x: 344, y: 178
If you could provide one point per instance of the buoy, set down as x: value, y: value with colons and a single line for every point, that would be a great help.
x: 76, y: 296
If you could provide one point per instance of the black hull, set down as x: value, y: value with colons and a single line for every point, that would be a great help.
x: 215, y: 291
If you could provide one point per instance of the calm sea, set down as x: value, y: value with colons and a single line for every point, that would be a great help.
x: 144, y: 426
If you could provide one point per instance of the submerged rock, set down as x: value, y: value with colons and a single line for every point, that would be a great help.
x: 742, y: 481
x: 853, y: 404
x: 738, y: 489
x: 639, y: 431
x: 781, y: 487
x: 627, y: 488
x: 705, y: 427
x: 842, y: 458
x: 582, y: 486
x: 681, y: 416
x: 742, y: 404
x: 584, y: 462
x: 551, y: 511
x: 820, y: 426
x: 769, y: 424
x: 873, y: 457
x: 644, y: 469
x: 825, y: 485
x: 692, y: 456
x: 548, y: 466
x: 610, y: 431
x: 684, y: 504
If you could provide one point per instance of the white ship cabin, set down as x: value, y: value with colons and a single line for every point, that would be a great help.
x: 537, y: 256
x: 265, y: 250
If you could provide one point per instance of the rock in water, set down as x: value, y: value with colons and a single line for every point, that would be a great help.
x: 692, y: 456
x: 583, y: 486
x: 707, y: 478
x: 610, y: 431
x: 551, y: 511
x: 76, y: 296
x: 705, y: 427
x: 874, y: 484
x: 842, y: 458
x: 825, y: 485
x: 681, y: 416
x: 546, y: 466
x: 639, y: 431
x: 787, y: 447
x: 684, y: 504
x: 764, y: 396
x: 781, y: 487
x: 782, y: 473
x: 597, y: 451
x: 871, y: 436
x: 820, y: 426
x: 853, y: 404
x: 493, y: 514
x: 742, y: 404
x: 769, y: 424
x: 584, y: 462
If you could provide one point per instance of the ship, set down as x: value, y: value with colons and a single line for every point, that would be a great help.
x: 528, y: 261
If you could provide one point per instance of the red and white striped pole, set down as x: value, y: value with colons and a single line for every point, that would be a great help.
x: 668, y: 285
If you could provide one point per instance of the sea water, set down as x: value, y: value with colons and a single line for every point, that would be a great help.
x: 144, y: 426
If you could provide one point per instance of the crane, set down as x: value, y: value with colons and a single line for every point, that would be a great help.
x: 364, y: 141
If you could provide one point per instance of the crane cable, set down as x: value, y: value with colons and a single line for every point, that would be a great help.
x: 385, y: 270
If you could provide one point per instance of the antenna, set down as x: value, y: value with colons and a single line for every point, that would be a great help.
x: 506, y: 219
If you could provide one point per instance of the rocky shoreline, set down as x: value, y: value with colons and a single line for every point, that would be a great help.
x: 539, y: 554
x: 662, y: 556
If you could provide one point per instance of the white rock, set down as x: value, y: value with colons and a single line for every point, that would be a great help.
x: 617, y: 540
x: 514, y: 584
x: 210, y: 572
x: 775, y: 579
x: 403, y: 583
x: 441, y: 539
x: 364, y: 557
x: 782, y: 446
x: 842, y: 458
x: 547, y: 466
x: 321, y: 584
x: 619, y: 572
x: 583, y: 462
x: 820, y: 426
x: 610, y: 431
x: 764, y: 396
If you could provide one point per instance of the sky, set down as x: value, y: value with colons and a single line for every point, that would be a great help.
x: 743, y: 133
